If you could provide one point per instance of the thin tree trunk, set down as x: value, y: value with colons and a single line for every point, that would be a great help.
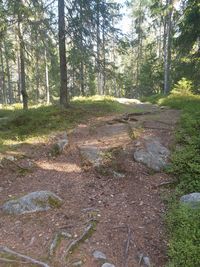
x: 81, y: 48
x: 19, y: 79
x: 37, y: 78
x: 10, y: 92
x: 47, y: 79
x: 62, y: 53
x: 4, y: 95
x: 104, y: 59
x: 139, y: 52
x: 167, y: 47
x: 98, y: 50
x: 22, y: 65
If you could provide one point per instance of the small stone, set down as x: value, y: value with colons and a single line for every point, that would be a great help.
x: 108, y: 265
x: 193, y: 199
x: 99, y: 255
x: 146, y: 261
x: 118, y: 175
x: 11, y: 158
x: 77, y: 263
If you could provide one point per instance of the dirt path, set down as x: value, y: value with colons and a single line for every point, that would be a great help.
x: 122, y: 196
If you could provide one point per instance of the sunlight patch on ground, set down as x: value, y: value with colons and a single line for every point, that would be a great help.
x: 60, y: 167
x: 127, y: 101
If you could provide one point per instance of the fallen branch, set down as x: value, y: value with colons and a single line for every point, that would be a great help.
x: 31, y: 260
x: 87, y: 233
x: 13, y: 261
x: 56, y: 241
x: 166, y: 183
x: 127, y: 247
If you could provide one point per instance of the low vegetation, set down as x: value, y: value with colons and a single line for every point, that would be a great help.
x: 17, y: 125
x: 184, y: 223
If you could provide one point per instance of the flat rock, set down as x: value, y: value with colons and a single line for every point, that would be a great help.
x: 192, y: 199
x: 91, y: 154
x: 108, y: 265
x: 99, y: 255
x: 153, y: 154
x: 32, y: 202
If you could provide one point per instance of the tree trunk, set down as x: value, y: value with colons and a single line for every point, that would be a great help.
x: 10, y: 91
x: 37, y: 75
x: 4, y: 95
x: 104, y: 58
x: 62, y: 53
x: 47, y: 79
x: 22, y: 65
x: 167, y: 46
x: 98, y: 50
x: 81, y: 49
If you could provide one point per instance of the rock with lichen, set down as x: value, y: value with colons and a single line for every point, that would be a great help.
x: 32, y: 202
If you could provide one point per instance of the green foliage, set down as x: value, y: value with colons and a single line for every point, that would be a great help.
x: 152, y: 99
x: 183, y: 87
x: 184, y: 228
x: 186, y: 159
x: 184, y: 223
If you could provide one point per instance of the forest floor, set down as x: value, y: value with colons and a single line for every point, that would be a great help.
x: 125, y: 198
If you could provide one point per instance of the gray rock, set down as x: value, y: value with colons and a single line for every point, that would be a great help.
x: 118, y: 175
x: 91, y: 154
x: 192, y: 199
x: 77, y: 263
x: 60, y: 146
x: 99, y: 255
x: 108, y: 265
x: 146, y: 261
x: 32, y: 202
x: 154, y: 154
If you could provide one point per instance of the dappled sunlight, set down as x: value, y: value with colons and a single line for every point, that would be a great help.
x: 59, y: 166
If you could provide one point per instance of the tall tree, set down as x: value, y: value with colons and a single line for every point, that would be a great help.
x: 167, y: 45
x: 62, y: 52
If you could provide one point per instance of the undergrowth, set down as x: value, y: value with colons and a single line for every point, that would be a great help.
x: 183, y: 222
x: 17, y: 125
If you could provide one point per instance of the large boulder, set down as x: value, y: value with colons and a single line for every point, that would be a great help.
x: 32, y: 202
x: 193, y: 200
x: 153, y: 154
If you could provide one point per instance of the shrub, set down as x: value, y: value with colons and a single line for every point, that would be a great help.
x: 183, y: 87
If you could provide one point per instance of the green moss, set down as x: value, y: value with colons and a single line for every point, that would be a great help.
x: 54, y: 203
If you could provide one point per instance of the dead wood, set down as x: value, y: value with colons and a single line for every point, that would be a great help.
x: 29, y: 259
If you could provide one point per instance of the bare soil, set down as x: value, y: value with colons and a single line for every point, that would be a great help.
x: 123, y: 197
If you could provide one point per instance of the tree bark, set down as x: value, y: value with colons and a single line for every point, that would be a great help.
x: 47, y: 78
x: 4, y: 96
x: 81, y: 46
x: 62, y: 53
x: 98, y: 50
x: 22, y: 65
x: 167, y: 46
x: 10, y: 91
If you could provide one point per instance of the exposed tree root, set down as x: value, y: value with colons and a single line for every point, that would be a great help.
x: 24, y: 257
x: 86, y: 234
